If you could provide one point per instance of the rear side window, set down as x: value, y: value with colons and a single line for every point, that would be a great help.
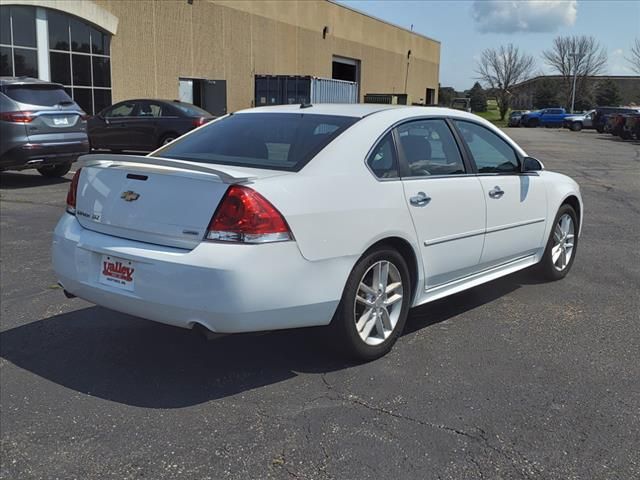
x: 278, y: 141
x: 124, y: 109
x: 490, y: 152
x: 44, y: 95
x: 382, y: 161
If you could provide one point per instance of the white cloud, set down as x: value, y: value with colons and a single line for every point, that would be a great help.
x: 500, y: 16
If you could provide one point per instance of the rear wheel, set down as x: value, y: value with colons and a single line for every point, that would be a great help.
x: 562, y: 245
x: 54, y: 171
x: 166, y: 139
x: 374, y: 305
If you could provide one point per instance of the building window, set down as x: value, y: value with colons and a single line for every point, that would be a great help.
x: 79, y: 58
x: 18, y: 50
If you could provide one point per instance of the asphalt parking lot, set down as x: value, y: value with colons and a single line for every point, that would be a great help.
x: 513, y: 379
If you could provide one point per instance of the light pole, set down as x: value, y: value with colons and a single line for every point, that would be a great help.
x: 576, y: 58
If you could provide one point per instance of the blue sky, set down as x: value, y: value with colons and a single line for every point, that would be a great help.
x: 466, y: 27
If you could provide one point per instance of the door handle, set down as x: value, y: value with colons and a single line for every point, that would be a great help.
x: 420, y: 200
x: 497, y: 192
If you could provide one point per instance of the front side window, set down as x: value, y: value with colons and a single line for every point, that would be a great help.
x: 382, y: 160
x: 121, y: 110
x: 278, y: 141
x: 429, y: 148
x: 491, y: 153
x: 18, y: 51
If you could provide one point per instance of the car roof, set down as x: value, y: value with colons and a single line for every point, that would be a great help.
x: 25, y: 81
x: 359, y: 110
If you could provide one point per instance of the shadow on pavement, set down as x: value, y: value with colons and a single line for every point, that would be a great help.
x: 141, y: 363
x: 11, y: 181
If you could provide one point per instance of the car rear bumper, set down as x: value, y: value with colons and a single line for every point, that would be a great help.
x: 33, y: 155
x: 227, y: 288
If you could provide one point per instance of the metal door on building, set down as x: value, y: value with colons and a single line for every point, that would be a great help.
x: 210, y: 95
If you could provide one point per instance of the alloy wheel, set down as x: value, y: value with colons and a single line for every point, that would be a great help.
x: 563, y: 241
x: 378, y: 302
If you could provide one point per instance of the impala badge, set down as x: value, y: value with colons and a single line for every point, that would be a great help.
x: 129, y: 196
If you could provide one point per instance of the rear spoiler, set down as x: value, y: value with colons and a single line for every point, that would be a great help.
x: 116, y: 160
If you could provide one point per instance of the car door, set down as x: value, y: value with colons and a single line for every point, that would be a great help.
x: 516, y: 203
x: 110, y: 130
x: 145, y: 124
x: 445, y: 199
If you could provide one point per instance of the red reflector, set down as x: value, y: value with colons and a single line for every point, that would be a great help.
x: 73, y: 193
x: 246, y: 216
x: 17, y: 117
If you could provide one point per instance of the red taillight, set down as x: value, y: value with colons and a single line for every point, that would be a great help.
x: 198, y: 122
x: 17, y: 117
x: 73, y: 193
x: 245, y: 216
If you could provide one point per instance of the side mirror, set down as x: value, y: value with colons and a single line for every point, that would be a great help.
x: 531, y: 164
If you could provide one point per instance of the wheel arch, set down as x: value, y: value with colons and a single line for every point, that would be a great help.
x: 575, y: 203
x: 408, y: 252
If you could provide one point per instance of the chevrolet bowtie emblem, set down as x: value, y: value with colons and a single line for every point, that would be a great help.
x: 129, y: 196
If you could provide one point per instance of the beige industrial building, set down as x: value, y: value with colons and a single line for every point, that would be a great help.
x: 209, y: 51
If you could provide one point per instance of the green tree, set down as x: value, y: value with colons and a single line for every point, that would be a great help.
x: 546, y: 94
x: 608, y: 94
x: 478, y: 98
x: 445, y: 95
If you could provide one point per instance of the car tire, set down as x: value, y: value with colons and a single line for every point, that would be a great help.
x: 599, y: 129
x: 533, y: 123
x: 576, y: 126
x: 55, y: 171
x: 563, y: 241
x: 166, y: 139
x: 351, y: 322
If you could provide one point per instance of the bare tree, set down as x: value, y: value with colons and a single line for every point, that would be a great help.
x: 502, y: 68
x: 634, y: 59
x: 581, y: 54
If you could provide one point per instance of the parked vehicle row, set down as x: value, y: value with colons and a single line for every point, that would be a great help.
x: 619, y: 121
x: 42, y: 127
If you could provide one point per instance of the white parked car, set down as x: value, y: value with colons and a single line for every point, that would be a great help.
x: 297, y: 216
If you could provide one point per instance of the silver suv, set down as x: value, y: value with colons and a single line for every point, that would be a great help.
x: 40, y: 127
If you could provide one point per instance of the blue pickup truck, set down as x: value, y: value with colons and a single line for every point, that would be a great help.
x: 548, y: 117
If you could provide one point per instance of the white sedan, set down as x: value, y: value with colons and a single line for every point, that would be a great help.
x: 298, y: 216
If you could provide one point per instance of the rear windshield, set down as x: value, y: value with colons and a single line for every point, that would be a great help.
x: 45, y: 95
x: 278, y: 141
x: 190, y: 110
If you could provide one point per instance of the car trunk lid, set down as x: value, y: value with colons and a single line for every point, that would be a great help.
x: 155, y: 200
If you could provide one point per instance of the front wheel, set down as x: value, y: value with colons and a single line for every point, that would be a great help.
x: 55, y: 171
x: 562, y: 245
x: 374, y: 305
x: 576, y: 126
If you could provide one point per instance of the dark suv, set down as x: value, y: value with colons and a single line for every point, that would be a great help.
x: 601, y: 114
x: 40, y: 127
